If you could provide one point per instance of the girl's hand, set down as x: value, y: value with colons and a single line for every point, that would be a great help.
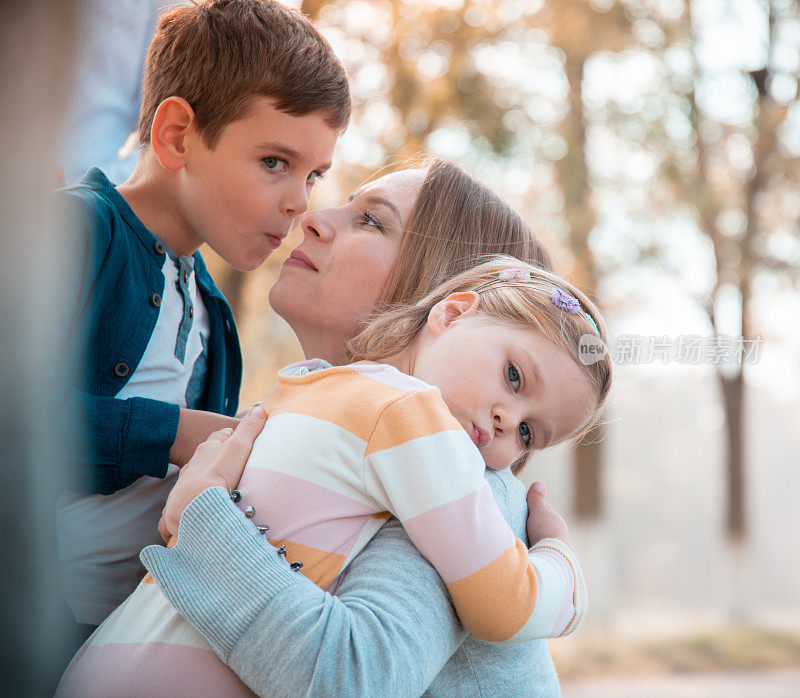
x: 219, y: 460
x: 543, y: 520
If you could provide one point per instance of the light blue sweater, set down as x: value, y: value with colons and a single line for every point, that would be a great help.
x: 389, y: 630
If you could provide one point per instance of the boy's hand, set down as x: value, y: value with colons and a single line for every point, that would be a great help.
x: 219, y: 460
x: 543, y: 520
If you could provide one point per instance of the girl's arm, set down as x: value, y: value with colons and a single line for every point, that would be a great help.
x: 421, y: 466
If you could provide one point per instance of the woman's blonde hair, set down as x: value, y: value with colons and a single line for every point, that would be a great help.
x: 510, y: 291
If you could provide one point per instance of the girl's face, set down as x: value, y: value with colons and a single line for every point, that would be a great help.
x: 332, y: 281
x: 510, y: 388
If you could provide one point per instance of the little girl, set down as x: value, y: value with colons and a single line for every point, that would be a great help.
x: 346, y: 447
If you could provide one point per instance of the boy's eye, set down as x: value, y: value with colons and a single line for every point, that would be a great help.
x: 275, y: 165
x: 314, y: 177
x: 525, y: 433
x: 513, y: 376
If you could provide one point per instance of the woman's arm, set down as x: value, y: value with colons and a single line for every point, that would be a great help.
x: 390, y: 628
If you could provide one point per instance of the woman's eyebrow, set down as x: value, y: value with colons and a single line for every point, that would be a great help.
x: 380, y: 201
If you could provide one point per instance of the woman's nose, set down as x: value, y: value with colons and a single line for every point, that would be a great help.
x: 318, y: 224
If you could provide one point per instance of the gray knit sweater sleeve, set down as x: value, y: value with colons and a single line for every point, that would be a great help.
x: 390, y: 629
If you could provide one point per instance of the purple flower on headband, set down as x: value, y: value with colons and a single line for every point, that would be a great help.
x: 564, y: 301
x: 515, y: 273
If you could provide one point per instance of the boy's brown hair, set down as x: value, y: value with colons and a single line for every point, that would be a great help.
x: 219, y: 54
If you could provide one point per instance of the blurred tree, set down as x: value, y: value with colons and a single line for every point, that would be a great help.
x: 737, y: 204
x: 581, y: 29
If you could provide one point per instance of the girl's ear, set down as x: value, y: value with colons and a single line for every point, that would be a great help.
x: 172, y: 123
x: 455, y: 306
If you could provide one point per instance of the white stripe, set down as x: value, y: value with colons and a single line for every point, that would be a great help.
x: 314, y: 450
x: 424, y: 473
x: 147, y: 616
x: 556, y: 585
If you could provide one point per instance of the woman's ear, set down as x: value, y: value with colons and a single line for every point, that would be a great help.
x: 172, y: 123
x: 455, y: 306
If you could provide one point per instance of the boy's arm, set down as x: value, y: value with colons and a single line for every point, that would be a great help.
x: 422, y: 467
x: 125, y: 439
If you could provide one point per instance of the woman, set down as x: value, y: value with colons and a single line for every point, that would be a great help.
x: 390, y: 629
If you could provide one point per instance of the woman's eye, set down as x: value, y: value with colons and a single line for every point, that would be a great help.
x: 525, y: 433
x: 274, y: 164
x: 368, y: 219
x: 513, y: 376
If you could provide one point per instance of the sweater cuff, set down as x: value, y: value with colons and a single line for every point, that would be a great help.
x: 221, y: 573
x: 561, y: 600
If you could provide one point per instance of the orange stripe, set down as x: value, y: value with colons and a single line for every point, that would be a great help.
x: 333, y: 398
x: 416, y: 415
x: 386, y: 515
x: 495, y: 602
x: 320, y: 566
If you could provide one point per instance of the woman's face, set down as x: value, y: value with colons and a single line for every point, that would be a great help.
x: 331, y: 282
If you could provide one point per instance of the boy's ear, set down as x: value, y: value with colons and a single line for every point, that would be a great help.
x: 172, y: 123
x: 455, y: 306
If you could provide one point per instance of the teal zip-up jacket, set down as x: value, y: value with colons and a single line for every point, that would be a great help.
x: 115, y: 284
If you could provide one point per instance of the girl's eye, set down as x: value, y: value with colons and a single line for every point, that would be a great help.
x: 314, y: 177
x: 369, y: 219
x: 525, y: 433
x: 513, y: 376
x: 275, y: 165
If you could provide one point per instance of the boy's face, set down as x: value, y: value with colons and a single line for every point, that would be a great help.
x: 243, y: 196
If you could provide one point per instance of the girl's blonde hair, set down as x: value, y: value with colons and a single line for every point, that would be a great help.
x: 510, y: 291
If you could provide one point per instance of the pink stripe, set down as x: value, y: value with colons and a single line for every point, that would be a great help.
x: 151, y: 669
x: 390, y: 376
x: 462, y: 536
x: 303, y: 512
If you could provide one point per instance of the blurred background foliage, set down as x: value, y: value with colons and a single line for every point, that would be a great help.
x: 655, y: 146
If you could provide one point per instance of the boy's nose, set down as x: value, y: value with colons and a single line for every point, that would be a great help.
x: 296, y: 200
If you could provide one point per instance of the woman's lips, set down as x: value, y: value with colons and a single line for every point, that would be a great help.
x: 298, y: 259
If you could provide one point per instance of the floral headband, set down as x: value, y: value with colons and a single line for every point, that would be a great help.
x: 560, y: 299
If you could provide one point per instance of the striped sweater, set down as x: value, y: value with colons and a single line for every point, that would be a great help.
x: 344, y: 449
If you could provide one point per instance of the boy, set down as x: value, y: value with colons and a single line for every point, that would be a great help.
x: 242, y: 103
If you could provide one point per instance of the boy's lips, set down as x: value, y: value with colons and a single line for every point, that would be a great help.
x: 298, y: 259
x: 275, y: 240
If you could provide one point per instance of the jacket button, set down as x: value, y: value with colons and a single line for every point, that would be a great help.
x: 159, y: 247
x: 121, y: 369
x: 155, y: 300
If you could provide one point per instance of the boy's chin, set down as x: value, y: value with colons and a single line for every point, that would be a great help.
x: 246, y: 262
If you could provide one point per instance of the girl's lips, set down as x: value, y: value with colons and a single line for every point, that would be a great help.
x: 298, y: 259
x: 274, y: 241
x: 479, y: 436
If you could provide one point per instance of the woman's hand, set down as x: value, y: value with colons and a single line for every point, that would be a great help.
x: 543, y: 520
x: 218, y: 461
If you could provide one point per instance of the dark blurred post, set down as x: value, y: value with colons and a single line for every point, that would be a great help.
x: 35, y: 45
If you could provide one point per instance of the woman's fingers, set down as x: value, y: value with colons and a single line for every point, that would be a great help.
x: 233, y: 455
x: 220, y: 435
